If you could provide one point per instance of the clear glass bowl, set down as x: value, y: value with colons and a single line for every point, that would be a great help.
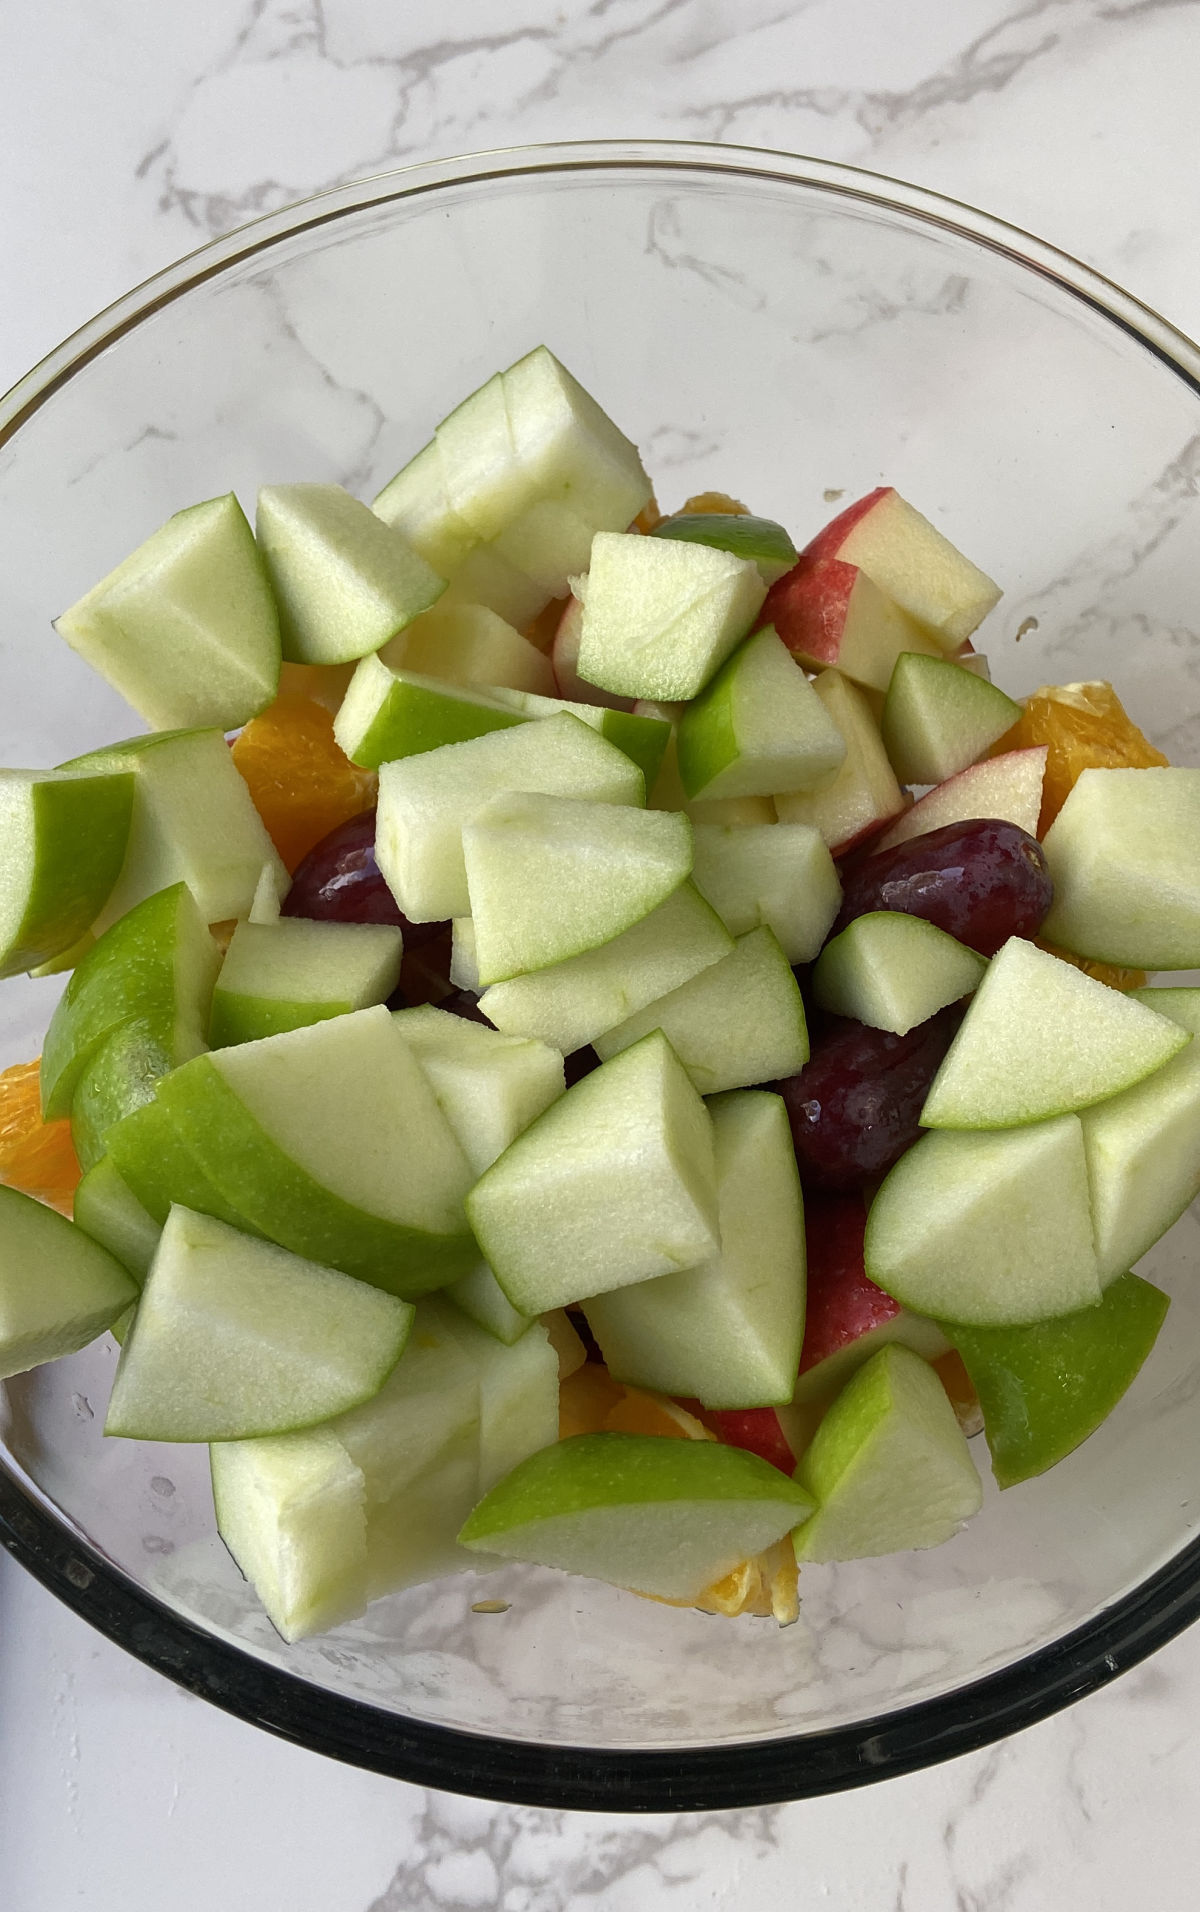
x: 795, y: 333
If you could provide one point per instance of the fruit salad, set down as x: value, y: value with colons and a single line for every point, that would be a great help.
x: 592, y: 1037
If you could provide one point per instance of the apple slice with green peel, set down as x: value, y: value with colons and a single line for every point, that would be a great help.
x: 889, y: 1466
x: 193, y: 822
x: 660, y: 618
x: 893, y: 971
x: 573, y: 452
x: 329, y: 1140
x: 938, y: 718
x: 737, y: 1023
x: 464, y: 965
x: 124, y: 1074
x: 65, y: 839
x: 415, y: 503
x: 59, y: 1289
x: 864, y: 795
x: 1045, y: 1387
x: 662, y: 1516
x: 989, y: 1230
x: 757, y: 728
x: 236, y: 1338
x: 1041, y: 1038
x: 1122, y: 853
x: 282, y: 975
x: 761, y: 540
x: 345, y: 582
x: 186, y: 627
x: 572, y: 1003
x: 777, y: 876
x: 389, y: 713
x: 469, y: 644
x: 643, y: 736
x: 1143, y: 1147
x: 913, y: 562
x: 107, y: 1209
x: 151, y: 1157
x: 1008, y: 787
x: 291, y: 1509
x: 613, y: 1184
x: 489, y: 1086
x: 549, y: 542
x: 830, y: 615
x: 728, y: 1332
x: 269, y: 892
x: 157, y: 965
x: 564, y: 659
x: 425, y: 801
x: 550, y: 877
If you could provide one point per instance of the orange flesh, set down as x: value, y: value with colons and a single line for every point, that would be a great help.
x: 1085, y: 727
x: 35, y: 1156
x: 708, y: 504
x: 301, y: 783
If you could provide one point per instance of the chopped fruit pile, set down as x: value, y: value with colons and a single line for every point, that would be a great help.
x: 442, y: 1005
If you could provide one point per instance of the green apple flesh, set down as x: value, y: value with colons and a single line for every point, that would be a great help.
x: 489, y: 1086
x: 389, y: 713
x: 291, y: 1509
x: 64, y: 839
x: 1041, y: 1038
x: 1008, y: 787
x: 574, y: 453
x: 483, y: 1301
x: 776, y: 876
x: 549, y: 542
x: 1122, y: 853
x: 643, y: 736
x: 551, y: 877
x: 662, y: 1516
x: 757, y: 728
x: 1045, y: 1387
x: 888, y: 1467
x: 766, y: 543
x: 613, y: 1184
x: 864, y: 794
x: 660, y: 618
x: 186, y: 627
x: 279, y: 976
x: 738, y: 1022
x: 481, y: 473
x: 59, y: 1289
x: 107, y: 1209
x: 415, y: 503
x: 938, y: 718
x: 727, y: 1332
x: 893, y: 971
x: 469, y: 644
x: 425, y: 801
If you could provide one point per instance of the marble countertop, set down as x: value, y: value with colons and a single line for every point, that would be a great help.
x: 131, y: 133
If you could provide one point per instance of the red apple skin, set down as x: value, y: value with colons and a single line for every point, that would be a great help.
x: 829, y: 541
x: 564, y: 656
x: 809, y: 606
x: 757, y: 1429
x: 842, y: 1302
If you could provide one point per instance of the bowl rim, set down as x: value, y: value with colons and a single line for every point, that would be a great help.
x: 699, y: 1778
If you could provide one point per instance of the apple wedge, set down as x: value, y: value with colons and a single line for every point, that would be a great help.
x: 913, y: 562
x: 893, y: 971
x: 124, y: 1073
x: 65, y: 839
x: 864, y: 795
x: 642, y: 735
x: 831, y: 616
x: 776, y: 876
x: 1008, y: 787
x: 1122, y: 853
x: 282, y: 975
x: 938, y: 718
x: 489, y: 1086
x: 757, y: 728
x: 761, y: 540
x: 59, y: 1289
x: 564, y: 659
x: 660, y: 618
x: 469, y: 644
x: 389, y: 713
x: 107, y: 1209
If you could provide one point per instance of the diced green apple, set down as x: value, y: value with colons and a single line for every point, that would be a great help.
x: 660, y: 618
x: 389, y: 713
x: 483, y: 1301
x: 549, y: 542
x: 613, y: 1184
x: 938, y: 718
x: 763, y: 541
x: 186, y: 627
x: 59, y: 1289
x: 831, y: 616
x: 124, y: 1072
x: 481, y: 474
x: 158, y: 1167
x: 893, y: 971
x: 757, y: 728
x: 282, y: 975
x: 485, y: 577
x: 489, y: 1086
x: 865, y: 794
x: 990, y: 1230
x: 107, y: 1209
x: 415, y: 503
x: 573, y: 452
x: 743, y: 811
x: 64, y: 839
x: 913, y: 562
x: 641, y: 735
x: 729, y: 1331
x: 664, y: 1517
x: 1122, y: 853
x: 1008, y: 787
x: 777, y: 876
x: 291, y: 1508
x: 889, y: 1466
x: 1041, y: 1038
x: 469, y: 644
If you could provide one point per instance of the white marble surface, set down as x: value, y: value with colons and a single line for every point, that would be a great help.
x: 132, y: 131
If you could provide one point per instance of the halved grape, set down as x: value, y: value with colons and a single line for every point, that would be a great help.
x: 982, y: 881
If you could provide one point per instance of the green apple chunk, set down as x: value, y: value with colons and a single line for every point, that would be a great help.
x: 549, y: 542
x: 864, y: 794
x: 481, y: 474
x: 642, y: 1511
x: 483, y: 1301
x: 193, y: 822
x: 151, y: 1157
x: 572, y: 1003
x: 641, y: 735
x: 888, y: 1467
x: 156, y: 966
x: 59, y: 1289
x: 488, y: 1086
x: 550, y: 877
x: 329, y: 1141
x: 761, y: 540
x: 344, y: 581
x: 758, y: 727
x: 107, y: 1209
x: 1041, y: 1038
x: 291, y: 1508
x: 729, y: 1331
x: 938, y: 718
x: 1045, y: 1387
x: 1122, y: 853
x: 736, y: 1023
x: 63, y: 843
x: 1143, y: 1147
x: 991, y: 1229
x: 235, y: 1337
x: 893, y: 971
x: 660, y: 618
x: 485, y: 577
x: 776, y: 876
x: 613, y: 1184
x: 425, y: 801
x: 469, y: 644
x: 282, y: 975
x: 186, y: 627
x: 573, y: 452
x: 124, y: 1074
x: 389, y: 713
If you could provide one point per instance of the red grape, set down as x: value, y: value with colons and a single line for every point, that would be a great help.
x: 339, y: 881
x: 982, y: 881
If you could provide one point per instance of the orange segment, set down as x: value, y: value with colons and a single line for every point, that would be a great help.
x: 584, y: 1399
x: 1109, y: 973
x: 35, y: 1156
x: 641, y: 1413
x: 960, y: 1389
x: 647, y: 517
x: 719, y: 504
x: 301, y: 783
x: 1086, y: 728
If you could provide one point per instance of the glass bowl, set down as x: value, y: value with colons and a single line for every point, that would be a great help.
x: 795, y: 333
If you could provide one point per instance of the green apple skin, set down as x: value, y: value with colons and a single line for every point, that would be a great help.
x: 59, y: 1289
x: 107, y: 1209
x: 744, y: 536
x: 123, y: 1075
x: 665, y: 1517
x: 1122, y: 854
x: 65, y: 839
x: 286, y: 974
x: 151, y: 1157
x: 1045, y: 1387
x: 389, y: 713
x: 757, y: 728
x: 938, y: 718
